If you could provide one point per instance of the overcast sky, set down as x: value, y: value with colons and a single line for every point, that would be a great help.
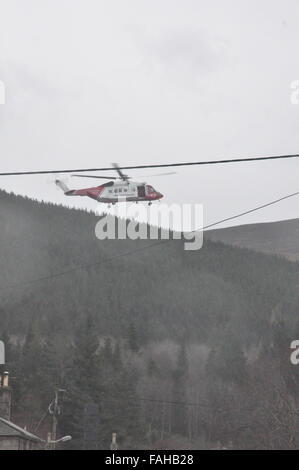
x: 90, y: 82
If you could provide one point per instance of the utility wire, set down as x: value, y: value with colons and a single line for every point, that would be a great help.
x: 165, y: 402
x: 152, y: 400
x: 162, y: 165
x: 137, y: 250
x: 40, y: 421
x: 271, y: 203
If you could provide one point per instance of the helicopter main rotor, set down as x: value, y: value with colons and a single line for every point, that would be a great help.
x: 121, y: 176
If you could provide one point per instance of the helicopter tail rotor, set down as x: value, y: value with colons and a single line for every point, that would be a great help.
x: 61, y: 184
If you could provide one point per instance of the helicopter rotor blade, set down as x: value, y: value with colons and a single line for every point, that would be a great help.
x: 94, y: 176
x: 158, y: 174
x: 121, y: 174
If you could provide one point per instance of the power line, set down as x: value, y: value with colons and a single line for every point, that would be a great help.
x: 166, y: 402
x: 271, y: 203
x: 137, y: 250
x: 202, y: 405
x: 161, y: 165
x: 153, y: 400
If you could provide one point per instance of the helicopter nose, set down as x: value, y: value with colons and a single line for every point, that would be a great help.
x: 160, y: 195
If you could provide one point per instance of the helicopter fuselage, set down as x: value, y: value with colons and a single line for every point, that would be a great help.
x: 113, y: 192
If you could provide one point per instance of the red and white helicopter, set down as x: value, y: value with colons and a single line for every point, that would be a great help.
x: 121, y: 188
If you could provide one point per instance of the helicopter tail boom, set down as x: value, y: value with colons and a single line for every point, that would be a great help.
x: 64, y: 188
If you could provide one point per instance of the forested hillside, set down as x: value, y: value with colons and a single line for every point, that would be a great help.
x: 178, y: 349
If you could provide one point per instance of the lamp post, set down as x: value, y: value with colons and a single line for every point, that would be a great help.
x: 54, y: 410
x: 52, y: 444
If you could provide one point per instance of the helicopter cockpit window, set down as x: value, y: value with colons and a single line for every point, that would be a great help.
x: 150, y: 189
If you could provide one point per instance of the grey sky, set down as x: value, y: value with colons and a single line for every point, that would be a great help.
x: 134, y: 81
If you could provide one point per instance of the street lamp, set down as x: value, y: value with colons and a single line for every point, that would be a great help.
x: 63, y: 439
x: 55, y: 410
x: 52, y: 444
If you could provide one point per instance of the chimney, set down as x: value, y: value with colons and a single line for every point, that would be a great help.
x: 113, y: 445
x: 5, y: 396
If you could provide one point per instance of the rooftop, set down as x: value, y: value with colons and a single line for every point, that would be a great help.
x: 7, y: 428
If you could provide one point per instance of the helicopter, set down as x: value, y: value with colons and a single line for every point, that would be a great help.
x: 119, y: 189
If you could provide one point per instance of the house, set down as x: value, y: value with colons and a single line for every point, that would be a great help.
x: 13, y: 437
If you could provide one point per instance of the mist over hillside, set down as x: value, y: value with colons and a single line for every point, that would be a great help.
x: 280, y: 238
x: 203, y: 335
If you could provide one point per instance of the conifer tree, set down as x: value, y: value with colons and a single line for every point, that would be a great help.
x: 179, y: 409
x: 133, y: 338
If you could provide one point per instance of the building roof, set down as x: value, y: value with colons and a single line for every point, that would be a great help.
x: 7, y: 428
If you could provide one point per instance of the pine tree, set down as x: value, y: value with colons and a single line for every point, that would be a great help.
x: 31, y: 384
x: 179, y: 410
x: 83, y: 381
x: 227, y: 361
x: 133, y: 338
x: 85, y: 368
x: 116, y: 358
